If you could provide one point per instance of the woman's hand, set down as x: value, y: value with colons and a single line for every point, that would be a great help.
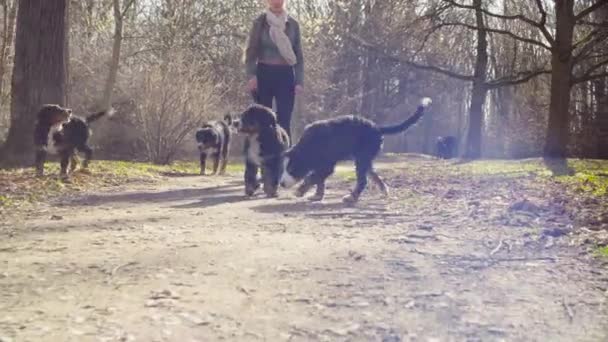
x: 252, y: 84
x: 299, y: 89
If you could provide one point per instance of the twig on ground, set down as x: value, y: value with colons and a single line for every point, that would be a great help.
x: 497, y: 248
x: 509, y: 246
x: 121, y: 266
x: 528, y: 259
x: 568, y: 309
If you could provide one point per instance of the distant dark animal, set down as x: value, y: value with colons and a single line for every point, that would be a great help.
x: 265, y: 143
x: 59, y: 132
x: 325, y: 143
x: 447, y: 147
x: 213, y: 140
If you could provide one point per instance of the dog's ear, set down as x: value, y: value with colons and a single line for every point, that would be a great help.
x: 228, y: 119
x: 45, y: 114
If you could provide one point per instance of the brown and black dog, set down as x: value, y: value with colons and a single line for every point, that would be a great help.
x: 59, y: 132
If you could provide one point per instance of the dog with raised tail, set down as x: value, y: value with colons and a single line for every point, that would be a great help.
x: 325, y: 143
x: 59, y: 132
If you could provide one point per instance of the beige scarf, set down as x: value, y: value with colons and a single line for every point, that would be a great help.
x: 278, y: 36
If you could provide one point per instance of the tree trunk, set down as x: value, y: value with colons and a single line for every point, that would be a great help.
x: 115, y: 60
x: 9, y: 9
x: 556, y: 143
x: 600, y: 87
x: 39, y: 73
x: 402, y: 92
x: 601, y: 118
x: 587, y: 137
x: 369, y: 86
x: 480, y: 90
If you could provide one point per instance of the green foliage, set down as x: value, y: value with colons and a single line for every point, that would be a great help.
x: 602, y: 251
x: 584, y: 175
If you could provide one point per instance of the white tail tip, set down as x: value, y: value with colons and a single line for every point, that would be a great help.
x: 111, y: 112
x: 426, y: 101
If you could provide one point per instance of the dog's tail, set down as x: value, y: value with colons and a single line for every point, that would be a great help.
x: 96, y: 116
x: 424, y: 103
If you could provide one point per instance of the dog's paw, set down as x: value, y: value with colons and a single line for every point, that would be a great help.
x: 272, y: 195
x: 85, y: 171
x: 316, y: 198
x: 299, y: 193
x: 386, y: 192
x: 349, y: 199
x: 250, y: 190
x: 270, y: 190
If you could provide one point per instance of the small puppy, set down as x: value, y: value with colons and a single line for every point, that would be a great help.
x: 447, y: 147
x: 214, y: 140
x: 325, y: 143
x: 265, y: 143
x: 57, y: 131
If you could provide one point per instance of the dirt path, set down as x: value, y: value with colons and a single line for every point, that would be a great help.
x: 192, y: 260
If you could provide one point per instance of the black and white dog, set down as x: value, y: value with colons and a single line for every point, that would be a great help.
x: 57, y: 131
x: 325, y: 143
x: 213, y: 139
x: 265, y: 143
x: 447, y: 147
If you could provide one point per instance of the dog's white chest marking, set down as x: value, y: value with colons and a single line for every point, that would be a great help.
x: 253, y: 153
x: 51, y: 144
x: 287, y: 180
x: 207, y: 150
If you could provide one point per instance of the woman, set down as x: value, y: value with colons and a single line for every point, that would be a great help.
x: 274, y: 61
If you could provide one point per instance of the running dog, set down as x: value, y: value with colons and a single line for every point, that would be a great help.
x: 59, y: 132
x: 325, y: 143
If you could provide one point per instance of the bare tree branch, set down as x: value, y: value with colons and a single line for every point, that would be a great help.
x: 388, y: 56
x: 589, y: 73
x: 519, y: 17
x: 588, y: 43
x: 522, y: 77
x: 589, y: 77
x: 127, y: 6
x: 503, y: 32
x: 543, y: 21
x: 590, y: 9
x: 603, y: 24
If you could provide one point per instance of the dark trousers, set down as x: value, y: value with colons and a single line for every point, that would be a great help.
x: 277, y: 82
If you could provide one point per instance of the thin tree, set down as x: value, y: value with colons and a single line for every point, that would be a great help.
x: 119, y: 14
